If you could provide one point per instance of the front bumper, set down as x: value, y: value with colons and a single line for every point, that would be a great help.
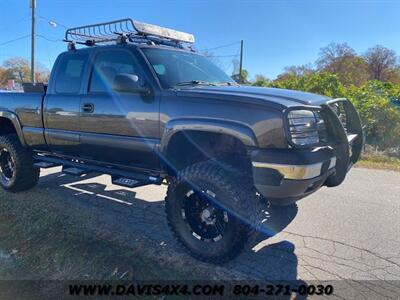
x: 285, y: 176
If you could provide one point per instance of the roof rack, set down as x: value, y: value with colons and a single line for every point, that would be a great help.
x: 125, y: 30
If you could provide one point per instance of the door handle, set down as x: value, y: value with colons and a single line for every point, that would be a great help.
x: 88, y: 108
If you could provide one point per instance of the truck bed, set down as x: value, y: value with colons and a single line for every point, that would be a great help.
x: 27, y: 106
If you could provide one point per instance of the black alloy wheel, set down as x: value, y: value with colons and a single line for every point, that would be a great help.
x: 7, y: 165
x: 205, y: 221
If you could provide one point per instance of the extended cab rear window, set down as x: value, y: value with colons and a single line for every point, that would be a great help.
x: 70, y: 72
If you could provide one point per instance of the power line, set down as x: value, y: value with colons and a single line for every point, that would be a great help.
x: 50, y: 20
x: 14, y: 40
x: 26, y: 17
x: 222, y: 46
x: 228, y: 55
x: 48, y: 39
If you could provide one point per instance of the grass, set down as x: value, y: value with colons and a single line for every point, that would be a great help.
x: 377, y: 160
x: 50, y: 235
x: 42, y: 237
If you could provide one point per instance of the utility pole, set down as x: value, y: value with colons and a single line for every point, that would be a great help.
x: 241, y: 62
x: 33, y: 7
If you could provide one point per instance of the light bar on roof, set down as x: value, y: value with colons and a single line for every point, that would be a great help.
x: 150, y: 29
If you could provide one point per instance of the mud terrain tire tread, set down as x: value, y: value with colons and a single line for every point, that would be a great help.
x: 242, y: 196
x: 26, y: 175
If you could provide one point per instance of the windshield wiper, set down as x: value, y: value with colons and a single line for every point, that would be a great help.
x: 194, y: 82
x: 229, y: 83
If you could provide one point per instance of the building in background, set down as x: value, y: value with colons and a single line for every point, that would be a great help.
x: 11, y: 84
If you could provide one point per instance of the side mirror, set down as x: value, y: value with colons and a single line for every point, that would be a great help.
x: 129, y: 83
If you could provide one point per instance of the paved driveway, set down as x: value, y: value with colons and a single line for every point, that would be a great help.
x: 348, y: 232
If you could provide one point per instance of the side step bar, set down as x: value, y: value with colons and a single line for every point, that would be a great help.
x: 74, y: 171
x: 128, y: 182
x: 45, y: 165
x: 119, y: 177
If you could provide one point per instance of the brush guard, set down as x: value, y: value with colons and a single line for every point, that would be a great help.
x: 344, y: 126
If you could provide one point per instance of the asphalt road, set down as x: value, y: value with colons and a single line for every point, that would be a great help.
x: 348, y: 232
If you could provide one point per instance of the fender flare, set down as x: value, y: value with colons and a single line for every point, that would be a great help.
x: 236, y: 130
x: 17, y: 124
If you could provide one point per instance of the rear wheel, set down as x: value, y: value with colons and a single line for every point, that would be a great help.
x: 16, y: 165
x: 210, y: 211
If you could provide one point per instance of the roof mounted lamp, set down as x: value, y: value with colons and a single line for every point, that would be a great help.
x: 124, y: 30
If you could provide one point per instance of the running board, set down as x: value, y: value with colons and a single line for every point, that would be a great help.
x: 132, y: 183
x: 119, y: 177
x: 74, y: 171
x: 45, y: 165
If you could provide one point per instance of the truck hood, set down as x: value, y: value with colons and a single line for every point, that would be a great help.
x: 274, y: 96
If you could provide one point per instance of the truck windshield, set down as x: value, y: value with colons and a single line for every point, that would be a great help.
x: 179, y: 68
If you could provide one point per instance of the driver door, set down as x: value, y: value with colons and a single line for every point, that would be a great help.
x: 118, y: 127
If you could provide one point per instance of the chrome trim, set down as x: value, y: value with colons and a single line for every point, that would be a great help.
x: 351, y: 138
x: 333, y: 163
x: 296, y: 172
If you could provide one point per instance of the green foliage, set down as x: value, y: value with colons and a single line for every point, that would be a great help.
x: 244, y: 79
x: 341, y: 72
x: 261, y: 80
x: 379, y: 116
x: 373, y: 100
x: 320, y: 83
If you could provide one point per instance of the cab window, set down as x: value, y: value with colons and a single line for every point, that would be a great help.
x: 69, y: 74
x: 109, y: 64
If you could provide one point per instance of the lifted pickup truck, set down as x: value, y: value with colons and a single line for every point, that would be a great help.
x: 138, y: 103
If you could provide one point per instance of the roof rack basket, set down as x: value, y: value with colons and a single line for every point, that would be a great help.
x: 122, y: 30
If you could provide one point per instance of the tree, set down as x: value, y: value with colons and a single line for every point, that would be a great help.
x: 244, y: 79
x: 215, y: 60
x: 299, y: 70
x: 3, y: 77
x: 245, y: 76
x: 380, y: 118
x: 381, y: 62
x: 42, y: 73
x: 322, y: 83
x: 331, y: 53
x: 394, y: 76
x: 235, y: 72
x: 261, y: 80
x: 293, y: 72
x: 342, y: 60
x: 18, y: 68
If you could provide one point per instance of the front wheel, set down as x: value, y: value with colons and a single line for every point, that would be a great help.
x: 17, y: 173
x: 210, y: 211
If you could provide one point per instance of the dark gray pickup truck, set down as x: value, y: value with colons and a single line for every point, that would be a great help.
x: 138, y: 103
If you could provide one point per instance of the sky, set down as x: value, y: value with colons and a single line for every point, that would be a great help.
x: 276, y: 34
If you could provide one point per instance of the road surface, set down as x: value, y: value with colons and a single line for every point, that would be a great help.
x: 348, y: 232
x: 351, y: 232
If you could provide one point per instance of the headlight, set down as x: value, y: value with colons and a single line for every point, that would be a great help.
x: 306, y: 127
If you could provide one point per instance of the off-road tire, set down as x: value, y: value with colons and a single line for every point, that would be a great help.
x: 25, y: 175
x: 238, y: 199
